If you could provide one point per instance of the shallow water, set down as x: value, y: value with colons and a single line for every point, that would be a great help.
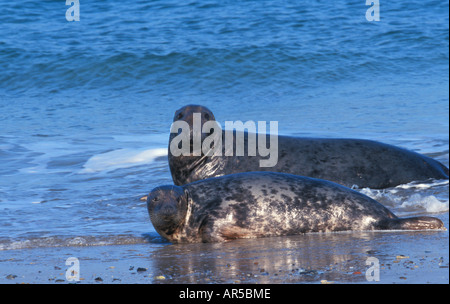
x: 86, y: 107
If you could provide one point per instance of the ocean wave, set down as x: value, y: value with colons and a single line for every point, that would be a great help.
x: 122, y: 46
x: 77, y: 241
x: 122, y: 158
x: 428, y: 203
x: 180, y: 67
x: 207, y: 67
x: 419, y: 185
x: 415, y: 197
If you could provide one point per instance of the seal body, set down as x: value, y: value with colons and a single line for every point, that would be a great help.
x: 349, y: 162
x: 261, y: 204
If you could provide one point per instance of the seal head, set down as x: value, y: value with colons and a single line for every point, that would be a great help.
x: 186, y: 114
x: 190, y: 168
x: 167, y: 207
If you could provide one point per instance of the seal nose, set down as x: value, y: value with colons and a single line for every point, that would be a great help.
x: 164, y: 209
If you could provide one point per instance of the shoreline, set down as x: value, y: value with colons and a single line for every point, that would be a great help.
x: 404, y: 257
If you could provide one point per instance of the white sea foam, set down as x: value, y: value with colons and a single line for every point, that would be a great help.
x: 61, y: 241
x: 428, y: 203
x: 122, y: 158
x: 416, y: 185
x: 404, y: 198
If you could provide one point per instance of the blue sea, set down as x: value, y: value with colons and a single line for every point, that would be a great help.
x: 86, y: 106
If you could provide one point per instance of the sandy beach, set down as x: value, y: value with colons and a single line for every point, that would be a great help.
x: 334, y: 258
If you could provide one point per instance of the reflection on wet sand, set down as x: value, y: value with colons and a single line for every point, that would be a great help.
x: 302, y: 258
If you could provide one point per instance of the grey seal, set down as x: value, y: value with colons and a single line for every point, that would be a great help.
x: 262, y: 204
x: 349, y: 162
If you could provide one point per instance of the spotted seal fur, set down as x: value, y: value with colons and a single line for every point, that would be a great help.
x: 261, y: 204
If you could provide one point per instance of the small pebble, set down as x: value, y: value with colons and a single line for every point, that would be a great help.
x: 160, y: 277
x: 401, y: 256
x: 141, y: 269
x: 98, y: 279
x: 11, y: 276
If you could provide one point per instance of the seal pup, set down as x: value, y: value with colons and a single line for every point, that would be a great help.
x: 349, y: 162
x: 261, y: 204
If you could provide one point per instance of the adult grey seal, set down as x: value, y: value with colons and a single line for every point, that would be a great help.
x: 349, y: 162
x: 260, y: 204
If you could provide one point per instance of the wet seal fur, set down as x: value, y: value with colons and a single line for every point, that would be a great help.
x: 348, y: 162
x: 262, y: 204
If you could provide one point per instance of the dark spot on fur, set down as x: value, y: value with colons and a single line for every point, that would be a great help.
x: 286, y: 199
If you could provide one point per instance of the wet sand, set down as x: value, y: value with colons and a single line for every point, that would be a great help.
x: 404, y: 257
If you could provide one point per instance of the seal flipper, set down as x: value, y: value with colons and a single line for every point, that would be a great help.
x: 413, y: 223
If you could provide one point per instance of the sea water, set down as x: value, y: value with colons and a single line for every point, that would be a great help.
x: 86, y: 106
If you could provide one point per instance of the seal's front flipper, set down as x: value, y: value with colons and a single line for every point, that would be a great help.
x: 414, y: 223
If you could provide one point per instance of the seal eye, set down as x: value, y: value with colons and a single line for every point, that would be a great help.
x: 155, y: 199
x: 179, y: 116
x: 206, y: 116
